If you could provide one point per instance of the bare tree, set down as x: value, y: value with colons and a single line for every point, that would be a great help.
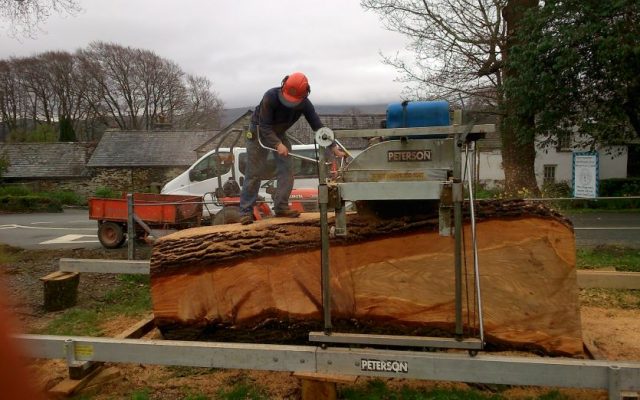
x: 112, y: 69
x: 459, y: 49
x: 172, y: 97
x: 160, y: 80
x: 148, y: 67
x: 203, y: 107
x: 33, y: 80
x: 104, y: 84
x: 456, y: 43
x: 62, y: 71
x: 10, y: 95
x: 23, y: 17
x: 137, y: 86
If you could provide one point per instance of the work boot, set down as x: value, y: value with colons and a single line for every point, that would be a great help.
x: 288, y: 213
x: 246, y: 219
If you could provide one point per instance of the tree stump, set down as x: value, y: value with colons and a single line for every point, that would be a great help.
x: 60, y: 290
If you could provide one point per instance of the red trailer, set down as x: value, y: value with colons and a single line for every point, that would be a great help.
x: 156, y: 211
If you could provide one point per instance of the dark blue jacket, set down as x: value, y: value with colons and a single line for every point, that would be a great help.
x: 274, y: 118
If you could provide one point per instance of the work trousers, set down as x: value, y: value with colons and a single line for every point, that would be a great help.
x: 256, y: 165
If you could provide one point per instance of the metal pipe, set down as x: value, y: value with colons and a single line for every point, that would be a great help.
x: 131, y: 251
x: 323, y: 198
x: 343, y: 148
x: 291, y: 154
x: 476, y: 269
x: 457, y: 218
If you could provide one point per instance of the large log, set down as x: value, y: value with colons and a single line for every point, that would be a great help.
x: 261, y: 282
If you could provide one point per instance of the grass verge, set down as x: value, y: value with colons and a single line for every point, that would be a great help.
x: 23, y: 199
x: 610, y: 298
x: 243, y: 389
x: 8, y: 254
x: 378, y: 389
x: 130, y: 297
x: 620, y: 258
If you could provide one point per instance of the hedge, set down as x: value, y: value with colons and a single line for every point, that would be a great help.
x: 29, y: 203
x: 615, y: 187
x: 620, y: 187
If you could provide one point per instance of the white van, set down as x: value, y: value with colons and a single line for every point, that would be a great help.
x: 219, y: 166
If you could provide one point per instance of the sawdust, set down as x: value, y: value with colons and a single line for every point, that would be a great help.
x: 117, y: 325
x: 613, y: 332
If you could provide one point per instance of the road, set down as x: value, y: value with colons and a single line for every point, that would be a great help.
x: 74, y: 229
x: 67, y: 230
x: 593, y: 229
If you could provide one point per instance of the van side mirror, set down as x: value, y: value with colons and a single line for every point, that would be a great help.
x: 241, y: 181
x: 192, y: 175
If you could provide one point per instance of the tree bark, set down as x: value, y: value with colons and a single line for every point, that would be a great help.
x: 518, y: 149
x: 518, y: 163
x: 262, y: 282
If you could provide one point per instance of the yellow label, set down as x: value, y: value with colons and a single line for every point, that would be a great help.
x: 83, y: 350
x: 397, y: 176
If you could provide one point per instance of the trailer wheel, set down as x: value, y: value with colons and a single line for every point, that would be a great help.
x: 228, y: 215
x: 111, y: 235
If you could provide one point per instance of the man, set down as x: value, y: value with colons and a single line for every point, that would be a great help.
x: 278, y: 110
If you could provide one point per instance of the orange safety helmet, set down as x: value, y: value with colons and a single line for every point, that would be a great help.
x: 295, y: 88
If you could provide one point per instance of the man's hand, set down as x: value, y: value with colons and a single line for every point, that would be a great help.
x: 282, y: 150
x: 337, y: 151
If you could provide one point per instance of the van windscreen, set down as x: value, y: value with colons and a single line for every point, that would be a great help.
x: 301, y: 168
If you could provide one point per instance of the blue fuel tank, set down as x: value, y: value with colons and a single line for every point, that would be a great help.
x: 413, y: 114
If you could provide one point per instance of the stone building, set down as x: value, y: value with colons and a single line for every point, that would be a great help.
x: 48, y: 166
x: 143, y: 161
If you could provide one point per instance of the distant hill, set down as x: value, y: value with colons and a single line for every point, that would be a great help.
x: 230, y: 114
x: 347, y: 109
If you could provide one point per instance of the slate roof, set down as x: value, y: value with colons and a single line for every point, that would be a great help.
x: 45, y: 160
x: 148, y: 148
x: 302, y: 131
x: 228, y: 135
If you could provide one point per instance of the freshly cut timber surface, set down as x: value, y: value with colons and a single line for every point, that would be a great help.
x: 261, y: 282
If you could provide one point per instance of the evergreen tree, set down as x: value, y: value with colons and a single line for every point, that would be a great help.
x: 577, y: 64
x: 67, y: 133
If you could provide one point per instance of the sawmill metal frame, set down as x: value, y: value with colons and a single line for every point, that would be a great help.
x: 614, y: 376
x: 434, y: 172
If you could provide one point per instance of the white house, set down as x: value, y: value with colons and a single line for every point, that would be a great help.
x: 554, y: 164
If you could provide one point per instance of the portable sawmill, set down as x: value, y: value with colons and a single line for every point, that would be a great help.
x: 415, y: 167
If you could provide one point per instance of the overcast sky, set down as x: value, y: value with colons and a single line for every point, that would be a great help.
x: 244, y: 47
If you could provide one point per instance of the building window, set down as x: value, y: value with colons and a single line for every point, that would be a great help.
x: 564, y: 141
x: 549, y: 174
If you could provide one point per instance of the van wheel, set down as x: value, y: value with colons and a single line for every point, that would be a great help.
x: 111, y: 235
x: 228, y: 215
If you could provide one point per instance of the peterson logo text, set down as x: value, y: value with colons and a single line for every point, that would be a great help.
x: 408, y: 155
x: 384, y: 366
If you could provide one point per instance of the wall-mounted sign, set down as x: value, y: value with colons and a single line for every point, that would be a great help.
x: 585, y: 175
